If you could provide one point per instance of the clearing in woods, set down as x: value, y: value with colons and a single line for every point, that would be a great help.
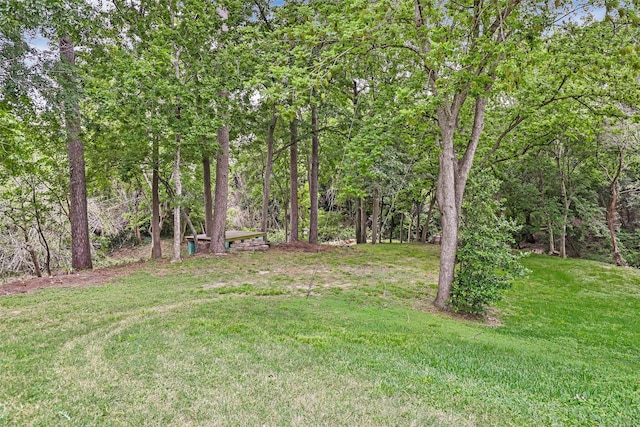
x: 234, y: 340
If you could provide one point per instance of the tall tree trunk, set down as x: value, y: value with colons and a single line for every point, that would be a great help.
x: 419, y: 211
x: 41, y: 235
x: 363, y: 220
x: 222, y: 192
x: 156, y: 249
x: 80, y: 243
x: 401, y: 228
x: 381, y: 219
x: 313, y: 182
x: 358, y: 221
x: 452, y: 180
x: 374, y: 215
x: 565, y: 219
x: 552, y: 243
x: 177, y: 227
x: 425, y: 228
x: 32, y: 253
x: 217, y: 244
x: 137, y: 234
x: 611, y: 217
x: 410, y: 227
x: 382, y: 222
x: 34, y: 260
x: 449, y: 222
x: 563, y: 235
x: 293, y: 182
x: 613, y: 207
x: 286, y: 224
x: 566, y: 202
x: 208, y: 200
x: 266, y: 190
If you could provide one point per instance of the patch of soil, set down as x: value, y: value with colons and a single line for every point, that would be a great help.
x: 487, y: 319
x: 128, y: 259
x: 302, y: 247
x: 79, y: 279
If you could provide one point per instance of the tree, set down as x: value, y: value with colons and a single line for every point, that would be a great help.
x: 313, y: 176
x: 465, y: 55
x: 221, y: 192
x: 52, y: 17
x: 266, y: 192
x: 293, y: 181
x: 618, y: 146
x: 156, y: 249
x: 484, y: 35
x: 81, y: 245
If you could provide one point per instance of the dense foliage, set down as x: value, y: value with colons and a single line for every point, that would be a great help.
x: 486, y: 262
x: 375, y: 113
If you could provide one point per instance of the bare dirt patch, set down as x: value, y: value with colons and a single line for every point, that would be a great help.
x: 74, y: 280
x: 488, y: 319
x: 128, y: 259
x: 217, y: 285
x: 132, y: 258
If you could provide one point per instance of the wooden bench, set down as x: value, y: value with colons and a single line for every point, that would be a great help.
x: 230, y: 237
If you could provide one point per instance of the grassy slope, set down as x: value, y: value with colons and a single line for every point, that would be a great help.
x: 233, y: 341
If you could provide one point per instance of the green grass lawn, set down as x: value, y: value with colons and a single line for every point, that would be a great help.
x: 235, y: 341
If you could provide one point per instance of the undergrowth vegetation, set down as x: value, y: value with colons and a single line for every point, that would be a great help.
x: 486, y: 264
x: 338, y: 337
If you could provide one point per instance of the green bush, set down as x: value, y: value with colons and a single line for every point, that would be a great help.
x: 629, y: 243
x: 276, y: 236
x: 486, y: 264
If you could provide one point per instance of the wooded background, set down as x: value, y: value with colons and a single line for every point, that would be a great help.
x: 476, y: 120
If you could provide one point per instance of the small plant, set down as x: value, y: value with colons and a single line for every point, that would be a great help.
x: 486, y: 264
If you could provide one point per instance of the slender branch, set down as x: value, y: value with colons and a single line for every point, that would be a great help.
x: 520, y: 118
x: 514, y: 123
x: 263, y: 15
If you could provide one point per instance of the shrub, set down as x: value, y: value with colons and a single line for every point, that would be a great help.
x: 486, y: 264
